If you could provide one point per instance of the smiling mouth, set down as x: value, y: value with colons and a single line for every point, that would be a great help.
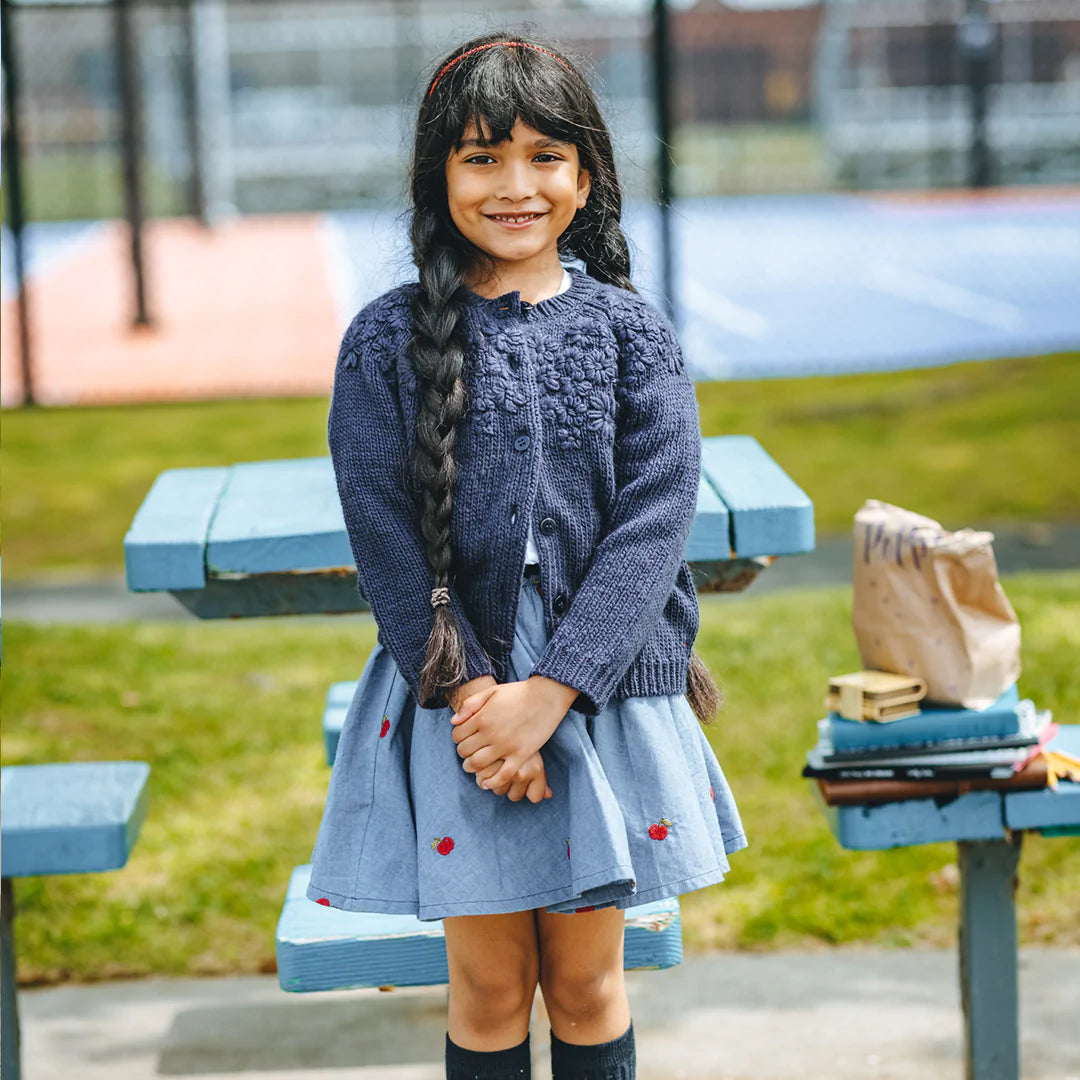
x: 514, y: 219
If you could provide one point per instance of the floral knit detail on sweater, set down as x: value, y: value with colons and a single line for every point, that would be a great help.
x: 576, y: 375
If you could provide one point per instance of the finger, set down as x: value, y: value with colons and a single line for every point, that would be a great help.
x: 536, y: 790
x: 491, y: 770
x: 504, y: 775
x: 548, y: 794
x: 467, y: 727
x: 469, y: 746
x: 472, y: 704
x: 517, y: 790
x: 481, y: 760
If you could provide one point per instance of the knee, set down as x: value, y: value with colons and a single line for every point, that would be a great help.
x: 580, y: 996
x: 497, y: 993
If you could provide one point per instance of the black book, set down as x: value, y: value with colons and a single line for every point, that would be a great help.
x: 998, y: 763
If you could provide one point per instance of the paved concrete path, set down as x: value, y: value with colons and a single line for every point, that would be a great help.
x: 835, y: 1015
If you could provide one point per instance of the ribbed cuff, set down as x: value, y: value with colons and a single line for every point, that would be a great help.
x: 613, y: 1060
x: 514, y: 1063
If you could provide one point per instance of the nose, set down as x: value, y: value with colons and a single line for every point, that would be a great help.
x: 516, y: 183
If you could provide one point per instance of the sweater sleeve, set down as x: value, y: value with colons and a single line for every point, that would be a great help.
x: 366, y: 434
x: 630, y: 579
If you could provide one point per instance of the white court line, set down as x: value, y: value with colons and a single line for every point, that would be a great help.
x: 945, y: 296
x: 717, y: 309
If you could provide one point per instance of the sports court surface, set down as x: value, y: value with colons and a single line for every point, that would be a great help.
x: 767, y: 286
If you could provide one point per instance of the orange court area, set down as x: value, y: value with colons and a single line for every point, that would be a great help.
x: 244, y: 309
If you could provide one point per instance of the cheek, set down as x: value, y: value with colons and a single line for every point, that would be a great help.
x: 568, y: 186
x: 462, y: 193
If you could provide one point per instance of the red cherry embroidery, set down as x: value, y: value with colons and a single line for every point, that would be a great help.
x: 385, y: 728
x: 323, y: 900
x: 442, y: 844
x: 711, y: 796
x: 568, y: 847
x: 659, y: 831
x: 591, y: 907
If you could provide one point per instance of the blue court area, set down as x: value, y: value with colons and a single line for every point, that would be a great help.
x: 824, y: 284
x: 779, y: 285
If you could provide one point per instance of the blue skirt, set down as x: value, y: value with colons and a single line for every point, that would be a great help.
x: 640, y: 809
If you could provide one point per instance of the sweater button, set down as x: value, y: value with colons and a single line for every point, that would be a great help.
x: 558, y: 605
x: 522, y: 442
x: 547, y: 526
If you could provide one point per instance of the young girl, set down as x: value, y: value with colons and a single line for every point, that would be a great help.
x: 517, y: 452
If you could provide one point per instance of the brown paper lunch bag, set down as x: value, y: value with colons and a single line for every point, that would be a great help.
x: 928, y: 602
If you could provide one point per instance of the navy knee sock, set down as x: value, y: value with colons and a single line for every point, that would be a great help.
x: 614, y: 1060
x: 514, y: 1063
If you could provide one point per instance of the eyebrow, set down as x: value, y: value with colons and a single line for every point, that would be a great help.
x: 544, y: 140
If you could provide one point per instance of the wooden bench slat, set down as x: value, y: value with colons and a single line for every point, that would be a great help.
x: 165, y: 548
x: 322, y: 948
x: 71, y: 817
x: 278, y: 516
x: 771, y: 514
x: 710, y: 535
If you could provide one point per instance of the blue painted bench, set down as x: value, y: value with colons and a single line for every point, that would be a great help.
x: 987, y: 827
x: 268, y: 538
x: 321, y: 948
x: 65, y: 818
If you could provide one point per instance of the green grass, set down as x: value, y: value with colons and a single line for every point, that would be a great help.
x: 228, y: 716
x: 749, y: 159
x: 970, y: 444
x: 71, y: 184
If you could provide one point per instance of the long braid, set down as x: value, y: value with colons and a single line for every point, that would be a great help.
x: 438, y: 360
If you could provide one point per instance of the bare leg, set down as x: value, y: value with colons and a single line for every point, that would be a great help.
x: 582, y: 976
x: 494, y: 968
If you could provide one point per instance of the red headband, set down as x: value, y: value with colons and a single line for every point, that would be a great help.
x: 491, y: 45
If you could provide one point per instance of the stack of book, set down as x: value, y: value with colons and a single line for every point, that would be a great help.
x: 941, y: 751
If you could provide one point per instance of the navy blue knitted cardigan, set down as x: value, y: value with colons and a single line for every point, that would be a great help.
x: 582, y: 420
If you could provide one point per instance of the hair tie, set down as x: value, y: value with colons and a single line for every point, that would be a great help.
x: 440, y: 596
x: 491, y: 45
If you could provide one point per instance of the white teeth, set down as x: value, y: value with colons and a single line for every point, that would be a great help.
x: 515, y: 220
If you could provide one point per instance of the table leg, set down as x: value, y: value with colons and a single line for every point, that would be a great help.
x: 988, y: 979
x: 9, y: 1006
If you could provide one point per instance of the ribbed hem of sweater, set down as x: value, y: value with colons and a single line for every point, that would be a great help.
x: 658, y: 678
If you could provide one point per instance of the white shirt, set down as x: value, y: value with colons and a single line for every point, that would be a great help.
x: 531, y: 553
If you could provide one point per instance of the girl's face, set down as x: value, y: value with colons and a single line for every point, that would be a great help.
x: 530, y: 176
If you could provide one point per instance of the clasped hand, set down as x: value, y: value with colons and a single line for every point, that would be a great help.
x: 500, y: 728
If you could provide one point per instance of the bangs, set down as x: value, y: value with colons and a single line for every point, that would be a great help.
x: 500, y: 86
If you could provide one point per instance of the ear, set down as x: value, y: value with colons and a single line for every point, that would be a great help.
x: 584, y: 187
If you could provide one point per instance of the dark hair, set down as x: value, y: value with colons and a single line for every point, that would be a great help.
x: 492, y: 87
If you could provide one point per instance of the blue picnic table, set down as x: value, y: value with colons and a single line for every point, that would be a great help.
x: 987, y: 828
x: 268, y: 538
